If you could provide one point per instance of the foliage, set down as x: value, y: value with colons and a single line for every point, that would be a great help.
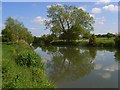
x: 86, y: 35
x: 64, y: 42
x: 72, y: 34
x: 64, y: 20
x: 100, y: 42
x: 28, y: 58
x: 16, y: 76
x: 67, y: 60
x: 117, y: 40
x: 15, y: 31
x: 38, y: 41
x: 117, y: 55
x: 44, y: 40
x: 92, y: 40
x: 48, y: 38
x: 108, y: 35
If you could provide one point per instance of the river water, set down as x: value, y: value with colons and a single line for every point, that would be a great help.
x: 81, y: 67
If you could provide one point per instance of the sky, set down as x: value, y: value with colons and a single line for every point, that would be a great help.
x: 32, y: 14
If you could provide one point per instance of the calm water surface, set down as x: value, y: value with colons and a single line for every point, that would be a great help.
x: 80, y: 67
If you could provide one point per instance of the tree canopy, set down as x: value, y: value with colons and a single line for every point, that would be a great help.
x: 63, y: 19
x: 14, y: 31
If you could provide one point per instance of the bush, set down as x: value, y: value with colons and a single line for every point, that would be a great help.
x: 38, y: 77
x: 92, y: 40
x: 23, y: 44
x: 28, y: 58
x: 17, y: 75
x: 117, y: 40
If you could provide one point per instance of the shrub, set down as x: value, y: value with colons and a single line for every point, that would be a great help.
x: 23, y: 44
x: 28, y: 58
x: 117, y: 40
x: 92, y: 40
x: 38, y: 77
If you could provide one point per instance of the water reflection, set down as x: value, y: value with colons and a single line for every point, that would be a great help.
x: 117, y: 55
x: 81, y: 66
x: 70, y: 63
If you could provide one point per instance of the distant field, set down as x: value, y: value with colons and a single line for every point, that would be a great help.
x: 105, y: 42
x: 100, y: 42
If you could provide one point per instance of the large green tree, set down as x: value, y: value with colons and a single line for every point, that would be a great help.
x: 64, y: 19
x: 15, y: 31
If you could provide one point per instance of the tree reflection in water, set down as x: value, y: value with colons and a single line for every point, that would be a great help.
x: 70, y: 63
x: 117, y: 55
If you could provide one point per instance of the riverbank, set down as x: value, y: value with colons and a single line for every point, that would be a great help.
x: 100, y: 42
x: 22, y: 68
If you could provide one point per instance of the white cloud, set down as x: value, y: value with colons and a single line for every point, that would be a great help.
x: 83, y: 8
x: 105, y: 75
x: 48, y: 6
x: 59, y: 5
x: 111, y: 68
x: 39, y: 19
x: 96, y: 10
x: 103, y: 1
x: 100, y: 20
x: 98, y: 67
x: 111, y: 7
x: 55, y: 5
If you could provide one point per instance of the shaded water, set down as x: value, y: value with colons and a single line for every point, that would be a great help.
x: 80, y: 67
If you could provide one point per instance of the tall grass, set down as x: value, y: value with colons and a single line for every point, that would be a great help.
x: 105, y: 42
x: 17, y: 76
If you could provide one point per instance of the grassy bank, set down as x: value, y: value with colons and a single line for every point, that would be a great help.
x: 100, y: 42
x: 105, y: 42
x: 17, y: 73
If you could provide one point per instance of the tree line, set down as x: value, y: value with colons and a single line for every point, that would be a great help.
x: 15, y: 31
x: 108, y: 35
x: 67, y: 23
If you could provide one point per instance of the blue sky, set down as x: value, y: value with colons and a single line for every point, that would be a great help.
x: 32, y: 14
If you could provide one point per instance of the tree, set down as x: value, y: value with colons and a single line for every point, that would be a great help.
x: 72, y: 34
x: 92, y: 40
x: 47, y: 39
x: 70, y: 63
x: 109, y: 35
x: 15, y: 31
x: 117, y: 55
x: 64, y: 19
x: 117, y: 40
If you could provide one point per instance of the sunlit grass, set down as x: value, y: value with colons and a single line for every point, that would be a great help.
x: 100, y: 42
x: 105, y: 42
x: 16, y: 76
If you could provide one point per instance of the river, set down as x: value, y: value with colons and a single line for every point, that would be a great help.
x: 81, y: 67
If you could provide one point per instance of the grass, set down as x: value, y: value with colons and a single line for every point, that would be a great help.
x: 16, y: 76
x: 105, y: 42
x: 100, y: 42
